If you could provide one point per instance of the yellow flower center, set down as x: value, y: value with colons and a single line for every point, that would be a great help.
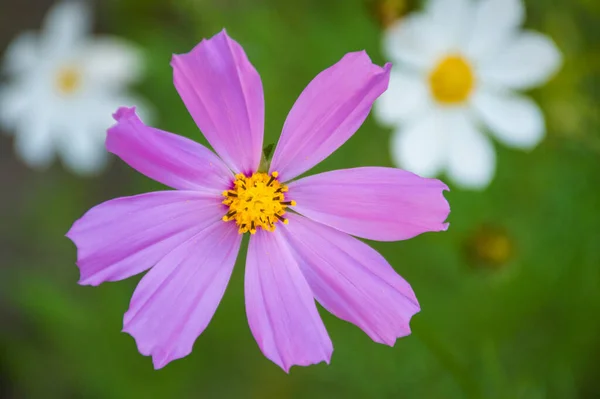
x: 256, y: 201
x: 68, y: 80
x: 495, y: 248
x: 452, y: 80
x: 490, y: 246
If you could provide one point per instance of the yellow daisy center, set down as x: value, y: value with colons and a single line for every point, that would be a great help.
x: 495, y: 248
x: 452, y: 80
x: 256, y: 201
x: 68, y: 80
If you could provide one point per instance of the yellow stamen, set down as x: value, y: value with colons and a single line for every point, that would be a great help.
x: 68, y: 80
x: 452, y: 80
x: 256, y: 201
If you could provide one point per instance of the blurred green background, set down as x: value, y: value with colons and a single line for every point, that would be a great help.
x: 510, y: 294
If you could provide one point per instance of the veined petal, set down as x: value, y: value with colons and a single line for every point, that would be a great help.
x: 515, y: 120
x: 170, y: 159
x: 125, y: 236
x: 406, y: 98
x: 471, y: 155
x: 175, y: 301
x: 66, y: 25
x: 495, y: 22
x: 224, y: 94
x: 529, y: 60
x: 281, y: 310
x: 328, y: 112
x: 383, y: 204
x: 352, y: 280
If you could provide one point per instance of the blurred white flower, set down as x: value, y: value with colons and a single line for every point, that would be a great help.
x: 62, y: 87
x: 457, y: 66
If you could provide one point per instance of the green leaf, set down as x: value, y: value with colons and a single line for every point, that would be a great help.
x: 267, y: 151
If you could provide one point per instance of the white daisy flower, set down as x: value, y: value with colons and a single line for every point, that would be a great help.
x: 457, y: 67
x: 62, y: 87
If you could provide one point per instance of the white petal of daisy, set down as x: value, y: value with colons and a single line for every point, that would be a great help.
x: 528, y: 61
x: 81, y: 144
x: 407, y: 97
x: 65, y: 100
x: 421, y: 146
x: 22, y: 54
x: 451, y: 19
x: 414, y: 41
x: 66, y: 25
x: 494, y: 24
x: 112, y: 62
x: 34, y: 142
x: 14, y: 101
x: 82, y: 149
x: 471, y: 156
x: 515, y: 120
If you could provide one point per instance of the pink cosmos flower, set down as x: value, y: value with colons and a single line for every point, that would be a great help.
x: 301, y: 246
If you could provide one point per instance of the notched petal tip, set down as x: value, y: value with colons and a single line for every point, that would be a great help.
x: 223, y: 93
x: 83, y: 279
x: 404, y: 332
x: 69, y: 234
x: 159, y: 362
x: 406, y: 329
x: 87, y: 280
x: 221, y: 35
x: 386, y: 70
x: 443, y: 224
x: 363, y: 57
x: 406, y: 205
x: 159, y: 357
x: 287, y: 368
x: 287, y: 364
x: 124, y: 113
x: 416, y: 311
x: 328, y: 112
x: 352, y: 280
x: 443, y: 187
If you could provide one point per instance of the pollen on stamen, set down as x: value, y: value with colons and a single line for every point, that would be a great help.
x: 256, y: 201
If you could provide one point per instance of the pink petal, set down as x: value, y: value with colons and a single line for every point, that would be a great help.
x: 223, y: 93
x: 352, y: 280
x: 328, y: 112
x: 383, y: 204
x: 281, y: 310
x: 175, y: 301
x: 165, y: 157
x: 125, y: 236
